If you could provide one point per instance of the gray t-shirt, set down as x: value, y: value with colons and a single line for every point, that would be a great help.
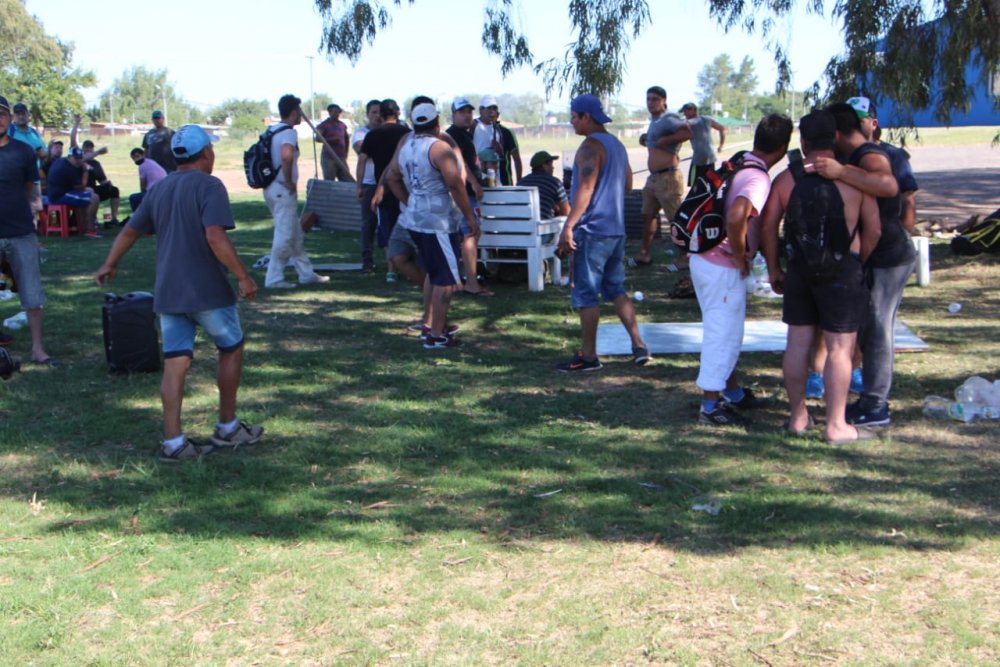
x: 189, y: 277
x: 666, y: 124
x: 701, y: 141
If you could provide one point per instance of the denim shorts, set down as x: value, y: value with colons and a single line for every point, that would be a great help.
x: 22, y: 253
x: 463, y: 226
x: 221, y: 324
x: 598, y: 269
x: 75, y: 199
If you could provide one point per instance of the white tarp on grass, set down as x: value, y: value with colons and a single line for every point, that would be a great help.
x: 685, y: 338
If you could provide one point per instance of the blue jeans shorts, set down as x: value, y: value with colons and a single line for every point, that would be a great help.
x: 463, y: 226
x: 22, y: 253
x: 222, y: 325
x: 598, y: 269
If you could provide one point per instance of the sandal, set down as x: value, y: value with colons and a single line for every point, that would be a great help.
x: 684, y: 289
x: 481, y: 292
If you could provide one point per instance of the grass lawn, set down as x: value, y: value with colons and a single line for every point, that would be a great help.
x: 473, y: 506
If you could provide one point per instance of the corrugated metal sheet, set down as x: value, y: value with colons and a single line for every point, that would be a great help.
x: 335, y: 203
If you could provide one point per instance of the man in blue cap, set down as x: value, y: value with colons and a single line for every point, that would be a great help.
x: 595, y: 231
x: 189, y: 213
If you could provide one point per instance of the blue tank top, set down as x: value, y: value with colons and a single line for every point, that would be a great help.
x: 605, y: 215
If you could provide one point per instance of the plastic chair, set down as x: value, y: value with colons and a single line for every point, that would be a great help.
x: 54, y: 218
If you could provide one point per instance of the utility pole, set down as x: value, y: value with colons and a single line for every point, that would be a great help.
x: 312, y: 115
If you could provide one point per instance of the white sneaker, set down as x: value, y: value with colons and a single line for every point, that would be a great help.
x: 314, y: 279
x: 281, y: 284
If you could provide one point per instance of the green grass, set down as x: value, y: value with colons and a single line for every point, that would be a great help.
x: 395, y: 512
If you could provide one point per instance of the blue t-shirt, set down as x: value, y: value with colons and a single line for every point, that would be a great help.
x: 17, y: 168
x: 62, y: 178
x: 901, y: 168
x: 189, y: 277
x: 605, y: 215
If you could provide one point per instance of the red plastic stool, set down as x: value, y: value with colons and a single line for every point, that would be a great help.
x: 54, y: 218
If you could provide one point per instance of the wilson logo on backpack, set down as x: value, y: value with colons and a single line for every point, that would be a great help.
x: 258, y: 162
x: 700, y: 222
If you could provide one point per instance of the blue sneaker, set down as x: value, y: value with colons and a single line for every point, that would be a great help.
x: 857, y: 384
x: 814, y: 385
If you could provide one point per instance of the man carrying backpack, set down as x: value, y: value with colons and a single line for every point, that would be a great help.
x: 718, y: 276
x: 868, y: 169
x: 830, y: 229
x: 281, y: 196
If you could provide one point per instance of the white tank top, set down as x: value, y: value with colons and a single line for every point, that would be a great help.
x: 430, y: 208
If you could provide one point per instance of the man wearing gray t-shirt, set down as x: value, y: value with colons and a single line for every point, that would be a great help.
x: 664, y: 188
x: 701, y: 141
x: 189, y: 213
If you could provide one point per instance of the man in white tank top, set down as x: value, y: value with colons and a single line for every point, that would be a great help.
x: 435, y: 201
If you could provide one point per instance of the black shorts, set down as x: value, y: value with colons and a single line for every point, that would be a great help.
x: 107, y: 191
x: 840, y: 306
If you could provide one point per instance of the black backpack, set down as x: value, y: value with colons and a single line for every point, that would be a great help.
x: 816, y: 237
x: 257, y: 160
x: 700, y: 222
x: 979, y: 238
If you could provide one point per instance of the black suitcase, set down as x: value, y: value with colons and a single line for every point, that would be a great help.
x: 131, y: 342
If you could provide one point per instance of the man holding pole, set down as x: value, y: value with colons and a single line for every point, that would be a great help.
x: 282, y: 200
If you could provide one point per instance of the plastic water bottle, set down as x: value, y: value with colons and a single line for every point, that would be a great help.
x: 967, y: 412
x: 937, y: 407
x: 17, y: 321
x: 759, y: 267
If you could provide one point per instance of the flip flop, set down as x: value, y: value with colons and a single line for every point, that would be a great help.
x: 863, y: 434
x: 482, y: 292
x: 641, y: 262
x: 810, y: 424
x: 51, y: 362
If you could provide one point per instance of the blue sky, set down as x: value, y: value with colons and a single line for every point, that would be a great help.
x: 212, y: 50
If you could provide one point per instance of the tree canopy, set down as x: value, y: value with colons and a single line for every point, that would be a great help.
x: 36, y: 68
x: 135, y: 94
x: 895, y: 49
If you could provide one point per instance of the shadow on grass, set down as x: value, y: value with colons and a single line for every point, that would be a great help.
x: 370, y: 438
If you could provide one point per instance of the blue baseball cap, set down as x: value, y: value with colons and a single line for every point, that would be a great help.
x: 590, y: 104
x: 189, y: 140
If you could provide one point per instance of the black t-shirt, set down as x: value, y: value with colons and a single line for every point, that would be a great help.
x: 380, y: 145
x: 97, y: 174
x: 156, y: 143
x: 468, y: 149
x: 550, y: 192
x: 18, y: 166
x: 895, y: 246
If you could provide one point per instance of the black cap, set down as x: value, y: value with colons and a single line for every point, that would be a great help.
x: 75, y: 152
x: 818, y: 127
x: 20, y: 107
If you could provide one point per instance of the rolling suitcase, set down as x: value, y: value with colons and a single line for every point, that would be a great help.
x: 131, y: 342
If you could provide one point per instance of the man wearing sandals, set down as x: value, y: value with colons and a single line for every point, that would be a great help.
x: 18, y: 242
x: 839, y: 306
x: 189, y: 213
x: 595, y: 232
x: 718, y: 276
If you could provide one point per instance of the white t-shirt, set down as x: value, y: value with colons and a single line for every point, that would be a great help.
x: 482, y: 136
x: 277, y: 141
x: 357, y: 138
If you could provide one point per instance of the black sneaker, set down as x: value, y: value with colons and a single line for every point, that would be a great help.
x: 579, y: 364
x: 748, y: 402
x: 449, y: 331
x: 434, y: 343
x: 189, y: 451
x: 858, y: 416
x: 5, y: 338
x: 722, y: 415
x: 641, y: 356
